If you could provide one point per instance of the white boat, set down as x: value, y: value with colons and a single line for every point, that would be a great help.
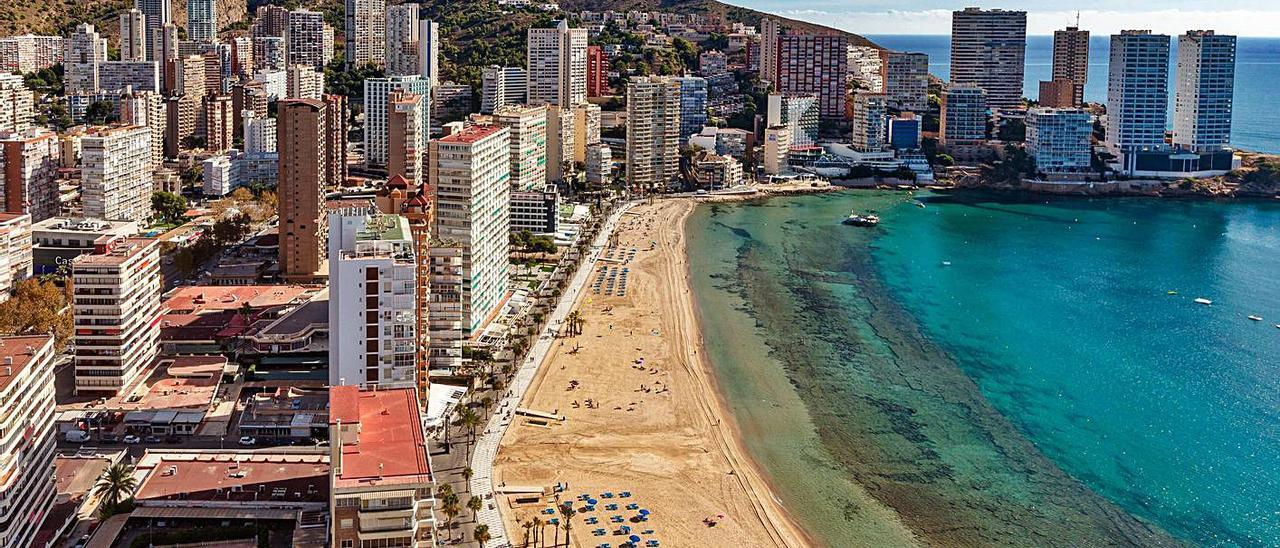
x: 946, y: 263
x: 1202, y: 300
x: 1255, y: 318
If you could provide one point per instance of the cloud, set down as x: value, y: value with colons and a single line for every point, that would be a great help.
x: 1100, y: 22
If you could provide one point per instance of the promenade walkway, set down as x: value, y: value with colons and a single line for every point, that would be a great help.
x: 486, y: 447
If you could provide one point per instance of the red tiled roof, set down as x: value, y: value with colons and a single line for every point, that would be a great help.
x: 471, y: 134
x: 391, y: 448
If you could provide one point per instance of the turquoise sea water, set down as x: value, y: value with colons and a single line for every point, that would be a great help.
x: 1042, y: 389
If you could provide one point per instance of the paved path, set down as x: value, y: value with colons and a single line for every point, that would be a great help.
x: 487, y: 443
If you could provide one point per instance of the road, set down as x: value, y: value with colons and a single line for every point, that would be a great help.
x: 486, y: 448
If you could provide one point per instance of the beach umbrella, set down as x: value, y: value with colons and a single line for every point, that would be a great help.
x: 591, y: 502
x: 644, y: 511
x: 633, y: 538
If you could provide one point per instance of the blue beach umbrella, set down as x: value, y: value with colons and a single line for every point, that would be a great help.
x: 644, y: 511
x: 633, y: 538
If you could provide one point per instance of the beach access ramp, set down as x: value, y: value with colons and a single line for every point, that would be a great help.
x: 539, y: 414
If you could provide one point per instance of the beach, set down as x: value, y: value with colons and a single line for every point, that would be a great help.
x: 640, y: 411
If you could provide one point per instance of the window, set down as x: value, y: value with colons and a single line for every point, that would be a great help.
x: 348, y: 543
x: 346, y: 523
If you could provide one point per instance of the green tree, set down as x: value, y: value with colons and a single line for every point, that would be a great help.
x: 36, y: 308
x: 475, y: 504
x: 116, y: 485
x: 170, y: 208
x: 482, y: 534
x: 566, y: 513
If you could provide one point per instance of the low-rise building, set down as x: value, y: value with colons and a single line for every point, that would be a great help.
x: 535, y: 210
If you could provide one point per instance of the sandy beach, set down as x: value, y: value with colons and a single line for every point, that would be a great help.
x: 655, y: 426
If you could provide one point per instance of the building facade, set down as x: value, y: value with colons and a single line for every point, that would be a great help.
x: 653, y: 132
x: 988, y: 50
x: 1071, y: 62
x: 597, y: 72
x: 963, y: 120
x: 1137, y: 92
x: 302, y: 145
x: 407, y: 143
x: 814, y: 65
x: 557, y: 65
x: 905, y: 78
x: 27, y: 433
x: 402, y: 40
x: 29, y: 172
x: 502, y: 86
x: 116, y: 177
x: 528, y: 125
x: 1205, y: 92
x: 376, y: 91
x: 869, y: 113
x: 116, y: 311
x: 1060, y: 140
x: 366, y: 31
x: 693, y: 105
x: 304, y: 37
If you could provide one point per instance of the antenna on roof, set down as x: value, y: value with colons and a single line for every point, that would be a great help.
x: 1077, y: 19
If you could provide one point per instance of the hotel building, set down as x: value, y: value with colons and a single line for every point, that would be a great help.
x: 963, y: 119
x: 777, y: 145
x: 470, y: 173
x: 599, y: 164
x: 905, y: 78
x: 988, y: 50
x: 1060, y: 140
x: 201, y: 21
x: 304, y: 40
x: 816, y: 65
x: 376, y: 91
x: 528, y: 125
x: 1137, y: 93
x: 372, y: 276
x: 116, y: 177
x: 28, y: 489
x: 557, y: 65
x: 693, y: 105
x: 302, y: 148
x: 502, y: 86
x: 116, y: 310
x: 366, y: 30
x: 869, y: 113
x: 402, y: 40
x: 381, y: 486
x: 799, y: 113
x: 653, y: 132
x: 1206, y: 73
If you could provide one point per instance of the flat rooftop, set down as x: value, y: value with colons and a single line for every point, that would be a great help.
x: 471, y: 134
x: 123, y: 250
x: 390, y: 449
x: 237, y: 476
x: 204, y: 298
x: 21, y: 351
x: 77, y: 475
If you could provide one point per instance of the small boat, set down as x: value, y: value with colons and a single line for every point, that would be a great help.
x: 1170, y: 292
x: 1255, y: 318
x: 1204, y: 301
x: 919, y: 204
x: 946, y: 263
x: 862, y: 220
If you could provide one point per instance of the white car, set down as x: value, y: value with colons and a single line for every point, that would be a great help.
x: 76, y: 436
x: 132, y: 439
x: 248, y: 441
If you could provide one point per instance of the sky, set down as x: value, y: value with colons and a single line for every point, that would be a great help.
x: 870, y: 17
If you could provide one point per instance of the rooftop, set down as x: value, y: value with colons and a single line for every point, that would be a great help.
x: 384, y: 227
x: 22, y: 350
x: 389, y: 448
x: 196, y: 299
x: 122, y: 250
x: 244, y: 476
x: 471, y: 134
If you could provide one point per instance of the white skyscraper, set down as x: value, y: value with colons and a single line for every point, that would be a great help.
x: 1205, y: 91
x: 653, y: 131
x: 402, y: 40
x: 988, y: 50
x: 259, y: 133
x: 375, y: 114
x: 557, y: 65
x: 528, y: 126
x: 372, y: 276
x: 429, y: 50
x: 116, y: 178
x: 1137, y: 92
x: 502, y: 86
x: 366, y: 32
x: 86, y: 49
x: 133, y: 36
x: 16, y: 104
x: 202, y: 17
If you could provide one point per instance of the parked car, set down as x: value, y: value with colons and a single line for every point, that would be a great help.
x: 76, y: 436
x: 248, y: 441
x: 152, y: 439
x: 132, y: 439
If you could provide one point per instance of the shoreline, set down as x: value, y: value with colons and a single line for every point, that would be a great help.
x: 679, y: 450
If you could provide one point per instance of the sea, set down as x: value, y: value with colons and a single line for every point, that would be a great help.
x: 1255, y: 120
x: 997, y: 370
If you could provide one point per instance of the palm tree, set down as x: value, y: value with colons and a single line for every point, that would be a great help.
x: 474, y: 504
x: 443, y: 491
x: 116, y: 485
x: 537, y: 526
x: 468, y: 418
x: 467, y: 473
x: 449, y: 505
x: 528, y: 526
x: 573, y: 322
x: 482, y: 534
x: 567, y: 512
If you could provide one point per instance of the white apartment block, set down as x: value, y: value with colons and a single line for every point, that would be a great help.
x: 777, y: 145
x: 865, y: 65
x: 201, y: 21
x: 470, y: 172
x: 599, y: 164
x: 372, y: 294
x: 29, y: 52
x: 402, y: 40
x: 304, y: 82
x: 557, y: 65
x: 133, y: 36
x: 218, y: 178
x: 29, y: 165
x: 116, y: 310
x: 304, y: 39
x: 1206, y: 74
x: 906, y: 80
x: 85, y: 49
x: 1137, y: 92
x: 15, y: 251
x: 259, y: 133
x: 1060, y: 140
x: 988, y: 50
x: 142, y: 108
x: 799, y: 113
x: 653, y: 132
x: 429, y: 50
x: 528, y: 125
x: 869, y: 113
x: 116, y: 178
x: 16, y: 104
x: 366, y: 30
x: 375, y: 113
x: 502, y: 86
x: 561, y: 134
x: 26, y: 437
